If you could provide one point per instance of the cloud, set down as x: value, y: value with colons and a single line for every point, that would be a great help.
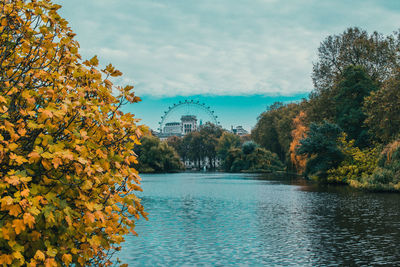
x: 221, y: 47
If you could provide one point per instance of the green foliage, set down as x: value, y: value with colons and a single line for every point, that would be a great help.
x: 383, y: 111
x: 226, y: 142
x: 322, y: 148
x: 357, y: 164
x: 274, y: 127
x: 386, y: 176
x: 249, y: 147
x: 258, y: 160
x: 353, y: 87
x: 157, y: 156
x: 376, y: 53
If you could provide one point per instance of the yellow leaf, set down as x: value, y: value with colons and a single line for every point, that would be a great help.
x: 52, y: 252
x: 39, y: 255
x: 94, y: 61
x: 12, y: 146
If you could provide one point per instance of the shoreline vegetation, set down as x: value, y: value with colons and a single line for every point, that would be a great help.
x: 347, y: 131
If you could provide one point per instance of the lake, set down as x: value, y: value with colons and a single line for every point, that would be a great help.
x: 225, y: 219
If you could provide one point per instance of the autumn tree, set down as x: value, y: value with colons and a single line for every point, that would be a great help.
x: 66, y: 149
x: 298, y: 133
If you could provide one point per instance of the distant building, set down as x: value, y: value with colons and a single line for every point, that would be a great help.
x: 173, y: 128
x: 239, y: 131
x: 189, y: 124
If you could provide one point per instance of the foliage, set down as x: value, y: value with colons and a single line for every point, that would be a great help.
x: 66, y: 187
x: 273, y: 129
x: 353, y: 87
x: 258, y: 160
x: 374, y: 52
x: 357, y: 164
x: 249, y: 147
x: 156, y: 156
x: 210, y: 134
x: 298, y: 133
x: 386, y: 177
x: 226, y: 142
x: 322, y: 149
x: 383, y: 111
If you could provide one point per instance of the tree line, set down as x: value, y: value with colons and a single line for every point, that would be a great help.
x: 211, y: 146
x: 348, y: 130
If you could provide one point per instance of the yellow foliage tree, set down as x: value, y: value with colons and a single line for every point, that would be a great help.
x: 299, y: 132
x: 66, y: 185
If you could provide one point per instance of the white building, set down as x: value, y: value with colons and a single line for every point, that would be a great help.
x: 189, y: 124
x: 173, y: 128
x: 239, y: 131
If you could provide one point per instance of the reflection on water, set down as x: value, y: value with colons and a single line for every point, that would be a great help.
x: 231, y: 219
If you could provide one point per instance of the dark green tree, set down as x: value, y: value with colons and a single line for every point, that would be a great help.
x: 322, y: 148
x: 354, y: 85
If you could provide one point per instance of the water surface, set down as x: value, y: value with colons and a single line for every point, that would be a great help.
x: 248, y: 219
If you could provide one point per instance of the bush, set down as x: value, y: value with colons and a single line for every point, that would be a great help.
x: 357, y: 164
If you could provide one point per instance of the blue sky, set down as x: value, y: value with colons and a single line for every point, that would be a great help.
x: 237, y: 56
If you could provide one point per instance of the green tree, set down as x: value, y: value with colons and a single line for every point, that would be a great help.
x: 354, y: 85
x: 210, y: 134
x: 322, y: 149
x: 226, y: 142
x: 382, y: 109
x: 375, y: 53
x: 274, y: 127
x: 157, y: 156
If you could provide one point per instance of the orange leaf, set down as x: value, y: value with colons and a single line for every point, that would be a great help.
x: 19, y: 226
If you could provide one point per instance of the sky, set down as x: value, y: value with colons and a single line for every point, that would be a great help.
x: 237, y: 56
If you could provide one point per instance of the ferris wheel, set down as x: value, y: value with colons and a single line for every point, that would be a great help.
x: 188, y: 105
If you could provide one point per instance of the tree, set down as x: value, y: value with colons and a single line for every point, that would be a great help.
x: 382, y: 109
x: 226, y: 142
x: 156, y: 156
x: 374, y: 52
x: 321, y: 148
x: 66, y: 186
x: 210, y: 134
x: 298, y: 133
x: 354, y: 85
x: 273, y: 129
